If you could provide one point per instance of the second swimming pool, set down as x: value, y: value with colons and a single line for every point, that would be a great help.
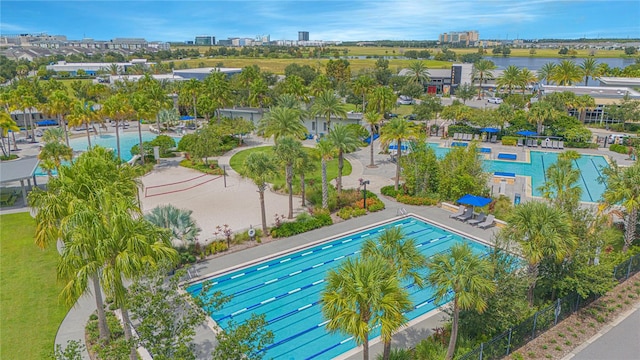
x: 288, y: 290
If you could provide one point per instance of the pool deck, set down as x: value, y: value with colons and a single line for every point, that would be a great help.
x: 242, y: 192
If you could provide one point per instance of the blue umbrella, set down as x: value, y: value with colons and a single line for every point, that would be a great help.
x: 394, y: 146
x: 474, y: 200
x: 489, y: 130
x: 46, y: 122
x: 186, y: 118
x: 527, y: 133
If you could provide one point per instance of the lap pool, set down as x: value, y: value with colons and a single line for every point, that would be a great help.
x: 287, y: 289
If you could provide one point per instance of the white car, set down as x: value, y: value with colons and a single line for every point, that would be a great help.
x: 405, y: 100
x: 494, y: 100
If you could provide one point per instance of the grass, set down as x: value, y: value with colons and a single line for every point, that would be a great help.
x: 316, y: 176
x: 31, y: 313
x: 67, y: 83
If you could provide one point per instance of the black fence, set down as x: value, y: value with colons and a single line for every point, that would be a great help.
x: 519, y: 335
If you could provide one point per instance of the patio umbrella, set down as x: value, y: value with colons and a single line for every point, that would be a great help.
x: 527, y: 133
x: 474, y: 200
x: 394, y: 146
x: 186, y: 118
x: 489, y: 130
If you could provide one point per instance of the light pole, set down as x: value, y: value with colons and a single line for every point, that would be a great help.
x: 364, y: 196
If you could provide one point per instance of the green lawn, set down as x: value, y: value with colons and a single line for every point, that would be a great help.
x: 237, y: 162
x: 30, y: 312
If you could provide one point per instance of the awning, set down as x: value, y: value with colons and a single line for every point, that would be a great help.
x: 47, y: 122
x: 474, y: 200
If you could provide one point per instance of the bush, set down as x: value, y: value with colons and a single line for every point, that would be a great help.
x: 302, y: 224
x: 349, y: 212
x: 215, y: 247
x: 458, y: 128
x: 581, y: 145
x: 389, y: 191
x: 620, y: 149
x: 211, y: 168
x: 509, y: 140
x: 416, y: 200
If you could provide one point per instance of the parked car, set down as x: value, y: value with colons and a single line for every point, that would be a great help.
x: 390, y: 115
x: 494, y: 100
x: 405, y: 100
x: 410, y: 117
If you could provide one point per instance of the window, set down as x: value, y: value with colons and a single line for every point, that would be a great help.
x: 313, y: 126
x: 324, y: 127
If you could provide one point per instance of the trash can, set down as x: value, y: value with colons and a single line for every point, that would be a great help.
x: 516, y: 199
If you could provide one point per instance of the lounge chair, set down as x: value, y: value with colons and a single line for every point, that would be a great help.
x: 560, y: 144
x: 468, y: 214
x: 476, y: 137
x: 469, y: 137
x: 455, y: 136
x: 554, y: 144
x: 461, y: 209
x: 481, y: 217
x: 544, y: 144
x: 494, y: 139
x: 520, y: 142
x: 488, y: 222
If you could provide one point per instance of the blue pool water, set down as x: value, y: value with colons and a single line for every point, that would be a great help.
x: 288, y: 290
x: 127, y: 141
x: 590, y: 167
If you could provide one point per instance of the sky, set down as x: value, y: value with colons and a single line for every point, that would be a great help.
x: 333, y: 20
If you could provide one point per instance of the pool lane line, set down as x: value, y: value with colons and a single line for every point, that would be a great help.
x: 274, y: 262
x: 271, y: 265
x: 595, y: 166
x: 544, y: 170
x: 584, y: 182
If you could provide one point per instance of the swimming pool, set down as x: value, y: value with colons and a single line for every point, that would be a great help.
x: 127, y: 141
x: 288, y: 289
x: 590, y: 167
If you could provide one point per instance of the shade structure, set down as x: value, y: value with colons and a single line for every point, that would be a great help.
x: 49, y: 122
x: 489, y: 130
x: 394, y: 146
x: 474, y: 200
x: 186, y: 118
x: 527, y: 133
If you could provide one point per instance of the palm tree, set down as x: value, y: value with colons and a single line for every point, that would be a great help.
x: 118, y: 108
x: 542, y: 231
x: 468, y: 276
x: 361, y: 86
x: 25, y: 99
x: 259, y: 167
x: 192, y: 89
x: 301, y: 166
x: 546, y: 72
x: 539, y: 113
x: 561, y: 185
x: 82, y: 113
x: 59, y: 104
x: 7, y: 124
x: 418, y: 73
x: 481, y: 70
x: 320, y: 84
x: 142, y: 107
x: 373, y: 118
x: 326, y: 152
x: 381, y: 99
x: 344, y: 140
x: 156, y: 96
x: 53, y: 154
x: 403, y: 257
x: 589, y: 68
x: 282, y: 122
x: 183, y: 227
x: 566, y: 73
x: 623, y: 190
x: 509, y: 78
x: 287, y: 150
x: 218, y: 89
x: 360, y: 294
x: 526, y: 78
x: 328, y: 104
x: 395, y: 131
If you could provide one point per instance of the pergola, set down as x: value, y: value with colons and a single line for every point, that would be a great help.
x: 19, y: 170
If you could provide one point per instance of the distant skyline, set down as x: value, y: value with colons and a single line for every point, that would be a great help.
x: 355, y: 20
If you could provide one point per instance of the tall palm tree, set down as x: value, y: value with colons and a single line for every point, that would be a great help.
x: 360, y: 294
x: 395, y: 131
x: 589, y: 68
x: 142, y: 108
x: 344, y: 140
x: 24, y: 98
x: 566, y: 73
x: 362, y: 85
x: 526, y: 78
x: 60, y: 104
x: 118, y: 108
x: 542, y: 231
x: 561, y: 185
x: 510, y: 78
x: 326, y: 151
x: 418, y: 73
x: 481, y: 70
x: 259, y: 167
x: 183, y: 227
x: 546, y: 72
x: 403, y: 257
x: 327, y: 104
x: 191, y: 90
x: 217, y: 87
x: 7, y: 124
x: 381, y: 99
x: 156, y: 96
x: 282, y: 122
x: 468, y: 276
x: 53, y: 154
x: 302, y: 165
x: 320, y: 84
x: 623, y: 190
x: 539, y: 113
x: 82, y: 113
x: 373, y: 118
x: 287, y: 150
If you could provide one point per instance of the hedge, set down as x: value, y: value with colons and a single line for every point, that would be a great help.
x: 416, y: 200
x: 509, y: 140
x: 620, y: 149
x: 302, y: 224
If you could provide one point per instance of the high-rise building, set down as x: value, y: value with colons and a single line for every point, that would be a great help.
x: 205, y: 40
x: 468, y: 38
x: 303, y: 36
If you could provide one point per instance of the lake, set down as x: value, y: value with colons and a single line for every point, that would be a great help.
x: 533, y: 63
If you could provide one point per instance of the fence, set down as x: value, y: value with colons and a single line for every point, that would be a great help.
x: 517, y: 336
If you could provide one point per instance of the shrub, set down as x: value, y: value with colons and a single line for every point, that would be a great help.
x: 509, y: 140
x: 620, y: 149
x: 216, y: 247
x: 416, y: 200
x: 349, y: 212
x: 389, y: 191
x: 211, y: 168
x: 581, y: 145
x: 302, y: 224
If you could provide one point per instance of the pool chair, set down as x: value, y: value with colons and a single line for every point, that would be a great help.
x: 468, y: 214
x: 481, y: 217
x: 487, y: 223
x: 494, y: 139
x: 560, y: 144
x: 468, y: 137
x: 520, y: 142
x: 476, y: 137
x: 554, y: 144
x: 461, y: 209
